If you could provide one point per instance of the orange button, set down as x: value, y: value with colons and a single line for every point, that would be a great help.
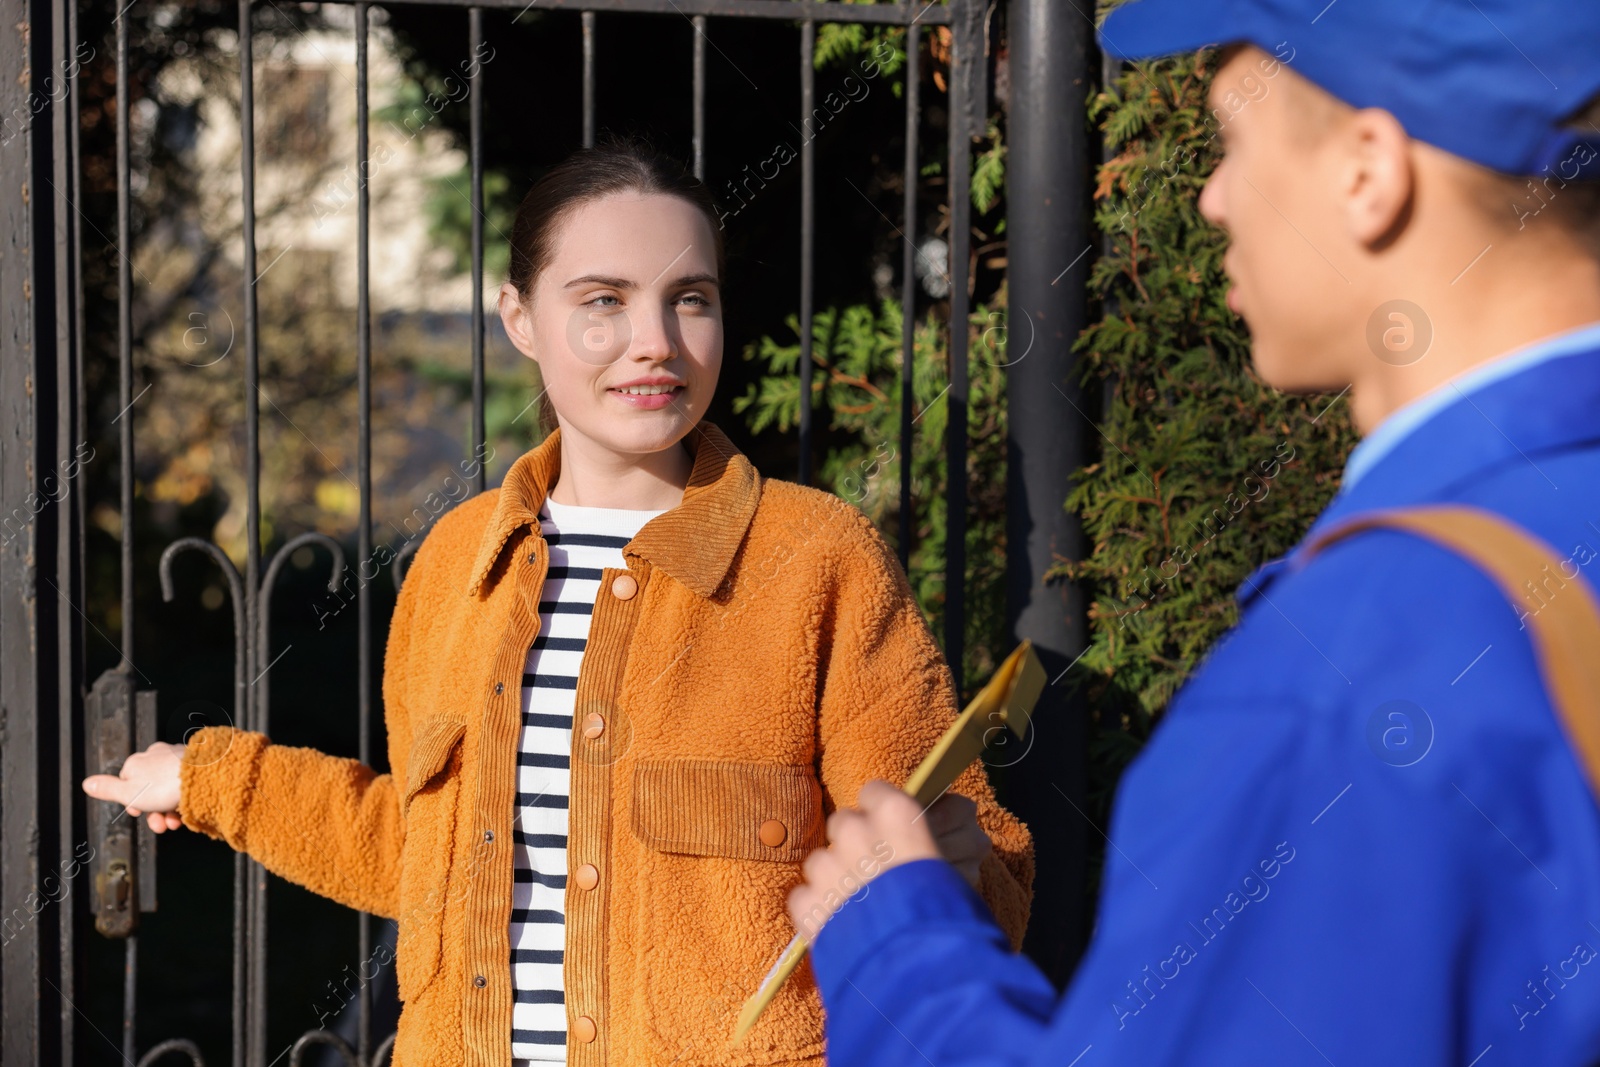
x: 623, y: 586
x: 587, y: 876
x: 584, y: 1029
x: 594, y: 724
x: 773, y: 833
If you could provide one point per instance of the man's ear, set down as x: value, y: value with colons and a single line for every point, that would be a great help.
x: 1379, y: 180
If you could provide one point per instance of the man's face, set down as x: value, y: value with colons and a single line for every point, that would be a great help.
x: 1273, y: 192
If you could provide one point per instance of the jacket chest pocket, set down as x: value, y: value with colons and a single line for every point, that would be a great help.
x: 724, y: 841
x: 428, y: 808
x: 737, y: 810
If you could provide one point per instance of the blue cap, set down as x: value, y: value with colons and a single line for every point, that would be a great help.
x: 1492, y: 81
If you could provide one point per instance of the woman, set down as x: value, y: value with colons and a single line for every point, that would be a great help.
x: 621, y: 692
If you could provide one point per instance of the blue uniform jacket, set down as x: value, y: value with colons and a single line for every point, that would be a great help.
x: 1358, y: 837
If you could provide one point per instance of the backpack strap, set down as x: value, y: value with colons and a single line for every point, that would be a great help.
x: 1565, y: 630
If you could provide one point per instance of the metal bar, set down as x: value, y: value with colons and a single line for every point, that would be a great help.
x: 699, y: 24
x: 263, y: 637
x: 256, y: 887
x: 243, y: 999
x: 256, y: 1000
x: 475, y: 107
x: 241, y: 645
x: 241, y: 876
x: 130, y: 999
x: 812, y: 11
x: 20, y: 788
x: 364, y: 458
x: 964, y: 50
x: 908, y: 293
x: 252, y: 366
x: 808, y: 189
x: 124, y: 343
x: 130, y: 948
x: 588, y: 79
x: 73, y: 810
x: 255, y: 704
x: 31, y: 576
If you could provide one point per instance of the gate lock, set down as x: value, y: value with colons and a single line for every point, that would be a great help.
x: 119, y: 722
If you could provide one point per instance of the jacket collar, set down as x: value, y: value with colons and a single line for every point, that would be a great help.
x: 694, y: 542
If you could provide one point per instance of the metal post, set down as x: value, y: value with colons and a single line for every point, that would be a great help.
x: 37, y: 569
x: 699, y: 24
x: 910, y: 224
x: 364, y: 412
x: 968, y: 72
x: 249, y: 1037
x: 71, y: 430
x: 1048, y: 205
x: 808, y: 229
x: 587, y: 19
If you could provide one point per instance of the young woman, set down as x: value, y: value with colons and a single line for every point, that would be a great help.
x: 622, y: 692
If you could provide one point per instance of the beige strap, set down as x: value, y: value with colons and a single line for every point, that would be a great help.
x: 1565, y: 629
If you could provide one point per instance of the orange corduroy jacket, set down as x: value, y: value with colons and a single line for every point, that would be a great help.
x: 760, y: 657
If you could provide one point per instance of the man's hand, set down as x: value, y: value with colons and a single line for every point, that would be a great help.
x: 149, y: 783
x: 889, y: 829
x: 953, y: 818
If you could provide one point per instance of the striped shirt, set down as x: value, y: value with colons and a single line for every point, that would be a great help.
x: 582, y: 541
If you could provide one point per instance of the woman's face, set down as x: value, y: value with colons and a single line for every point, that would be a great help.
x: 630, y: 295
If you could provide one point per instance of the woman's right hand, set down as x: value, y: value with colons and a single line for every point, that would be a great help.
x: 148, y: 784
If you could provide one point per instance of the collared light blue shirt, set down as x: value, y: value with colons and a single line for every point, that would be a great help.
x: 1357, y: 837
x: 1403, y: 420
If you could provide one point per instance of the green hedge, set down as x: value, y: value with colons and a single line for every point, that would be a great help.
x: 1204, y: 471
x: 856, y: 392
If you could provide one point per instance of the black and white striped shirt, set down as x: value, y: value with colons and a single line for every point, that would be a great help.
x: 582, y: 541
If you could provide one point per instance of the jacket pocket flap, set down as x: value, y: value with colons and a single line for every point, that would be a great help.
x: 752, y: 811
x: 430, y: 751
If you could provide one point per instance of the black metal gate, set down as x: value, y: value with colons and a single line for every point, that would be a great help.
x: 58, y: 724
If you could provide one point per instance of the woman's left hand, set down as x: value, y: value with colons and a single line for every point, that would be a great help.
x: 953, y: 819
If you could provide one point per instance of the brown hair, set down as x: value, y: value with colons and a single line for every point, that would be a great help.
x: 614, y: 165
x: 1522, y: 198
